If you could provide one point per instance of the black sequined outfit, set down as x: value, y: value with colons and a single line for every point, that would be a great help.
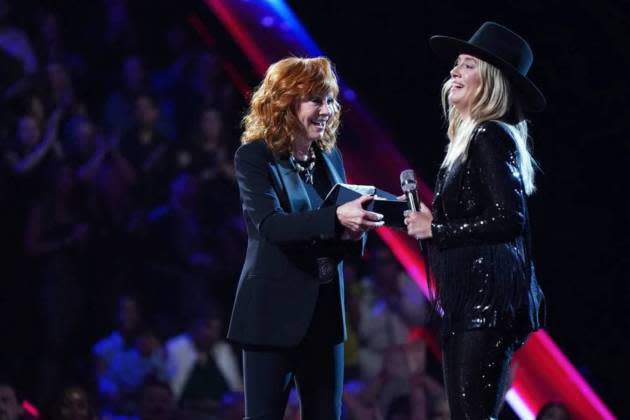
x: 476, y: 372
x: 484, y: 277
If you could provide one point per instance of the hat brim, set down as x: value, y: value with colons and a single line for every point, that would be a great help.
x: 449, y: 48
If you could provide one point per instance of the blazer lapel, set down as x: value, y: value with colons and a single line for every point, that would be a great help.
x: 294, y: 188
x: 451, y: 187
x: 335, y: 175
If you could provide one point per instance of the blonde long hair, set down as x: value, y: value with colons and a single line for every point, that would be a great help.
x: 493, y: 100
x: 272, y: 110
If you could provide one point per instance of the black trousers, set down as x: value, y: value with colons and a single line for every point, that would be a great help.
x: 476, y: 372
x: 318, y: 373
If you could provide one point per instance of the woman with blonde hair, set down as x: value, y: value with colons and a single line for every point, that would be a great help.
x: 479, y: 252
x: 288, y: 313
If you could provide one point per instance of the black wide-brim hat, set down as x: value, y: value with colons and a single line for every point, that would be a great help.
x: 502, y: 48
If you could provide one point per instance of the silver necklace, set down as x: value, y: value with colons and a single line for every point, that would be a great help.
x: 304, y: 167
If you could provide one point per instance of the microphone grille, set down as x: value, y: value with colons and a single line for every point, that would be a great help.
x: 408, y: 180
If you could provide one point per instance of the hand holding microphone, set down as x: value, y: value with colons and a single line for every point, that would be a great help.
x: 409, y: 187
x: 419, y: 224
x: 418, y: 218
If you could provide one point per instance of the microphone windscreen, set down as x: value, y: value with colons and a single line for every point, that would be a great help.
x: 408, y: 180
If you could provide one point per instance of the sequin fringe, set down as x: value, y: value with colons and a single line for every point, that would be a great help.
x: 478, y: 276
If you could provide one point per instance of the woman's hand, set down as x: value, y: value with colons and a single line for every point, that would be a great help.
x: 356, y: 219
x: 419, y: 223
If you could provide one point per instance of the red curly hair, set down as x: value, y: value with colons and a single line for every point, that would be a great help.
x: 272, y: 114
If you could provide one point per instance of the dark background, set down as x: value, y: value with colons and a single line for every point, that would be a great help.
x: 580, y: 212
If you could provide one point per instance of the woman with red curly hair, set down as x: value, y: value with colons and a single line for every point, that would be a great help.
x: 288, y: 313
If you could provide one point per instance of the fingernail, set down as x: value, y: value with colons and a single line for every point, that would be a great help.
x: 380, y: 216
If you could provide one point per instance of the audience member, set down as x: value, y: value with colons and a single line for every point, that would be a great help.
x: 118, y: 113
x: 201, y: 365
x: 10, y: 408
x: 178, y: 261
x: 84, y: 148
x: 391, y: 305
x: 401, y: 390
x: 120, y: 384
x: 74, y: 404
x: 17, y: 58
x: 353, y: 290
x: 29, y: 153
x: 24, y: 161
x: 56, y: 238
x: 119, y: 105
x: 60, y: 89
x: 51, y: 45
x: 127, y: 320
x: 156, y: 402
x: 148, y: 152
x: 175, y: 228
x: 198, y: 85
x: 554, y: 411
x: 232, y: 406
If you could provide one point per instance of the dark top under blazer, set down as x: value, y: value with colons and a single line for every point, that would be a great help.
x: 480, y: 252
x: 278, y: 287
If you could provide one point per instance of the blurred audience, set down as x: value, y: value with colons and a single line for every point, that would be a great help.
x: 120, y: 385
x: 118, y: 113
x: 10, y: 407
x: 178, y: 261
x: 119, y: 105
x: 148, y: 153
x: 232, y: 406
x: 117, y: 184
x: 401, y: 390
x: 74, y: 404
x: 201, y: 365
x: 59, y: 89
x: 29, y: 154
x: 391, y: 305
x: 553, y: 411
x: 176, y: 227
x: 127, y: 320
x: 57, y: 235
x: 353, y: 293
x: 17, y: 57
x: 156, y: 402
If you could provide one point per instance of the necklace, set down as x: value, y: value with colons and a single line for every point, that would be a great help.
x: 304, y: 167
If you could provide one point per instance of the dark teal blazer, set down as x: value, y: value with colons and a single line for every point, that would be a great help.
x: 278, y: 287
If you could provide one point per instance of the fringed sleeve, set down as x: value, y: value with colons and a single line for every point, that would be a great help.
x: 478, y: 278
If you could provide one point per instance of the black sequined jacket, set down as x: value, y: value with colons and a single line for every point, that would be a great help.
x: 480, y: 252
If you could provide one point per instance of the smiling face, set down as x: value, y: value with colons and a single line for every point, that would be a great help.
x: 313, y: 114
x: 464, y: 82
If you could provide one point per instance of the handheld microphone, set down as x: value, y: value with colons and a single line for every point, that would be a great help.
x: 409, y: 186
